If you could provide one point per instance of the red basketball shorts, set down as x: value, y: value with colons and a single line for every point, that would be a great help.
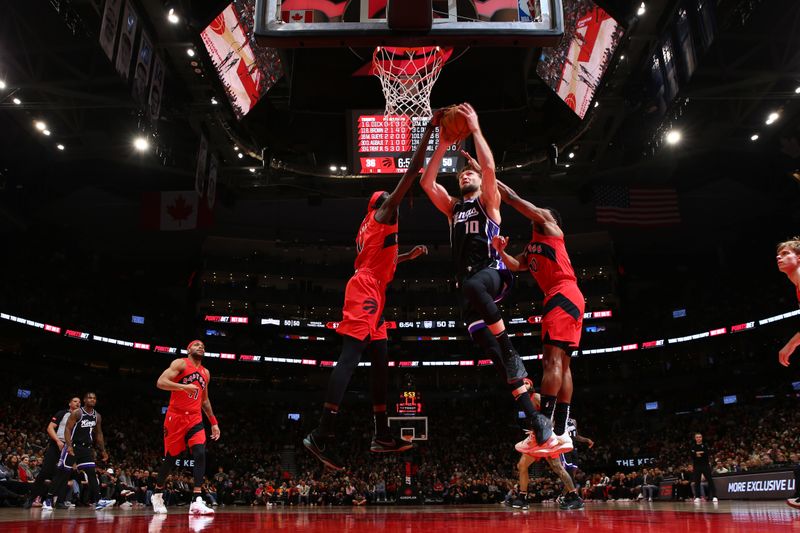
x: 182, y: 430
x: 563, y: 316
x: 362, y: 315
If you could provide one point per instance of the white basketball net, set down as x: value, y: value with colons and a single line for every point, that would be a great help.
x: 407, y: 76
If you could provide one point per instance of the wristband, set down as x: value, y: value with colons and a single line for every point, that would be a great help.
x: 213, y: 420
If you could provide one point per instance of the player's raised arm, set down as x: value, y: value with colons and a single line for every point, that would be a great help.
x: 531, y: 212
x: 489, y: 193
x: 387, y: 211
x: 438, y: 194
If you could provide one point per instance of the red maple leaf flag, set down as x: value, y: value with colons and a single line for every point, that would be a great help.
x: 303, y: 16
x: 170, y: 210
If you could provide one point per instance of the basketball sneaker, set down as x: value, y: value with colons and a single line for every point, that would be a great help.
x: 793, y: 503
x: 199, y: 507
x: 519, y: 503
x: 714, y: 500
x: 564, y: 443
x: 322, y: 448
x: 541, y: 440
x: 47, y: 504
x: 386, y: 444
x: 571, y: 502
x: 102, y: 504
x: 158, y: 503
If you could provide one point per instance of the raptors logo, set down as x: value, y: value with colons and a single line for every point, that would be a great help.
x: 370, y: 305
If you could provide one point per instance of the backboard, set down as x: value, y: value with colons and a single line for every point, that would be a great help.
x: 339, y: 23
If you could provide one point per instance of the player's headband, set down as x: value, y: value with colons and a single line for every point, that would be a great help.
x: 374, y: 199
x: 189, y: 346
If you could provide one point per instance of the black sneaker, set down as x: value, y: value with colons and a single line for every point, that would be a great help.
x: 389, y: 445
x: 519, y: 503
x: 322, y: 448
x: 571, y: 502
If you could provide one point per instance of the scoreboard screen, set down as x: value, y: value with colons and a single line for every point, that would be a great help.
x: 410, y: 404
x: 385, y: 144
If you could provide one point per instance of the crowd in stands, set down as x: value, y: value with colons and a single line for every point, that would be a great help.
x: 469, y: 457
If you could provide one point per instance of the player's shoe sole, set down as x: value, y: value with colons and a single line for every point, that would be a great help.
x: 794, y: 503
x: 321, y: 453
x: 389, y: 446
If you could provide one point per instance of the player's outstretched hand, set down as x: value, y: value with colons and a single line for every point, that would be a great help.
x: 471, y: 116
x: 785, y: 354
x: 418, y: 250
x: 499, y: 242
x: 471, y: 160
x: 215, y: 432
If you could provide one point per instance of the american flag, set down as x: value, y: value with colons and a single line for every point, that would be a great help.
x: 624, y: 206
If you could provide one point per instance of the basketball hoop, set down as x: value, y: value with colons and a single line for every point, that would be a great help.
x: 407, y: 76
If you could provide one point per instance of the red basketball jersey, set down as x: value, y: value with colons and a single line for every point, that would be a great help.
x: 548, y: 262
x: 377, y: 248
x: 184, y: 401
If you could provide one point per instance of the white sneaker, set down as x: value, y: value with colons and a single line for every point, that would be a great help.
x: 199, y: 507
x: 697, y: 500
x: 529, y: 446
x: 102, y: 504
x: 714, y: 499
x: 157, y: 500
x: 564, y: 443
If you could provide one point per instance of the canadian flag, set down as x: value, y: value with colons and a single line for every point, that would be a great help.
x: 170, y: 210
x: 303, y: 16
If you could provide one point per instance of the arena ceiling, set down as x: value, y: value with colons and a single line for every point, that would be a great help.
x: 51, y: 61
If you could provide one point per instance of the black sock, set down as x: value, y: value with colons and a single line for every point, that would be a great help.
x: 548, y: 406
x: 381, y: 427
x: 560, y: 418
x: 327, y: 422
x: 524, y: 399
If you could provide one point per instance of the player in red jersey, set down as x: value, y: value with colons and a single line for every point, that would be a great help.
x: 362, y: 327
x: 546, y: 258
x: 187, y: 380
x: 789, y: 263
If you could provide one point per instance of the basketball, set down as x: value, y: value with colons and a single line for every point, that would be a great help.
x: 454, y: 125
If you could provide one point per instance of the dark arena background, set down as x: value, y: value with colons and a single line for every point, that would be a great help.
x: 179, y: 170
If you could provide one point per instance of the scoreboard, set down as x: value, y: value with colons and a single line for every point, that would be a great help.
x: 410, y: 404
x: 385, y: 144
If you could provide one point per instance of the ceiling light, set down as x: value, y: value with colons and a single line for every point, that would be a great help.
x: 3, y: 85
x: 190, y: 52
x: 596, y: 104
x: 241, y: 155
x: 17, y: 101
x: 673, y: 137
x: 622, y: 57
x: 252, y: 170
x: 214, y: 101
x: 172, y: 17
x: 796, y: 91
x: 754, y: 137
x: 342, y: 168
x: 41, y: 126
x: 60, y: 147
x: 641, y: 10
x: 567, y: 165
x: 773, y: 117
x: 235, y: 148
x: 571, y: 155
x: 333, y: 168
x: 46, y: 132
x: 141, y: 144
x: 519, y: 166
